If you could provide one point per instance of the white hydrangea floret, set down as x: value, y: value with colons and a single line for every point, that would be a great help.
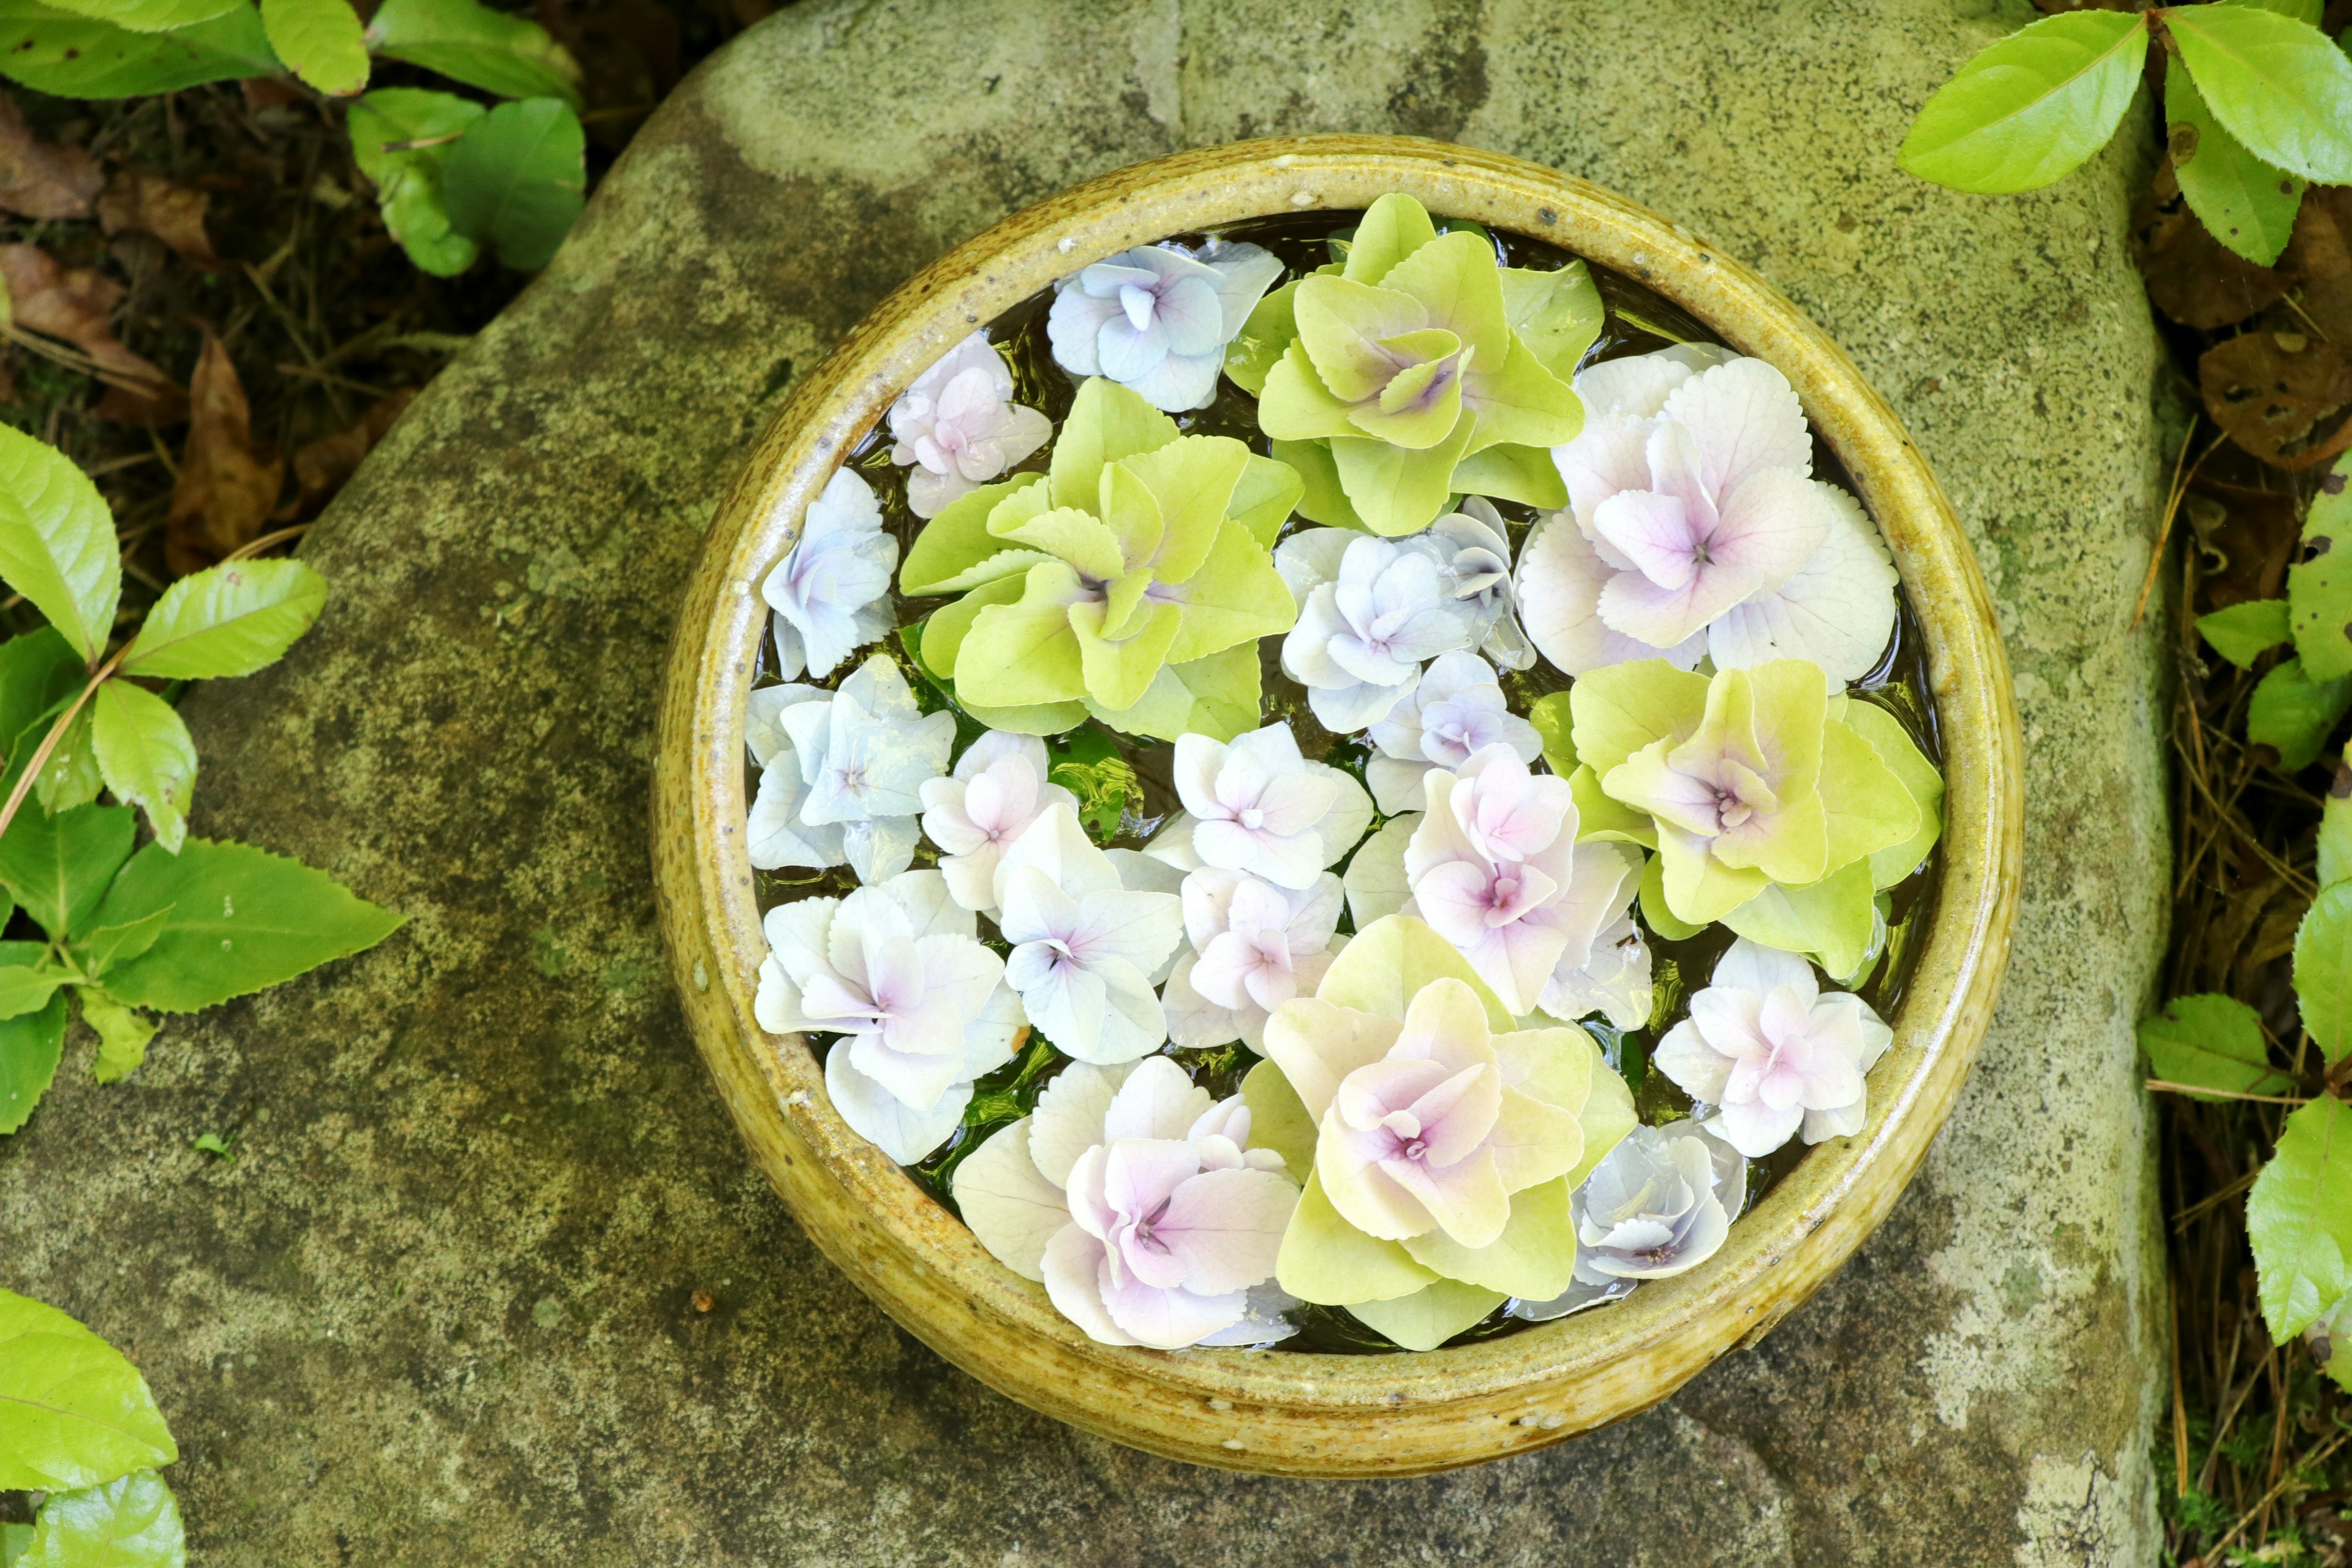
x: 1695, y: 527
x: 1157, y: 321
x: 999, y: 787
x: 831, y: 593
x: 1615, y: 981
x: 1140, y: 1205
x: 1254, y: 946
x: 1457, y: 709
x: 958, y: 427
x: 1371, y: 612
x: 842, y: 781
x: 1254, y: 804
x: 1659, y: 1203
x: 1773, y: 1053
x: 898, y: 970
x: 1084, y: 946
x: 1481, y: 565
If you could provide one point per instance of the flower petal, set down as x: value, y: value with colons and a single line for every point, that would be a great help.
x: 1008, y: 1204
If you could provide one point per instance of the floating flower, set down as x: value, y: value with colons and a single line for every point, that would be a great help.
x: 1658, y: 1205
x: 999, y: 787
x: 1253, y: 947
x: 831, y: 592
x: 897, y: 969
x: 1694, y: 526
x: 777, y: 836
x: 1131, y: 582
x: 1774, y: 1053
x: 851, y: 763
x: 1140, y: 1205
x: 957, y: 426
x: 1456, y: 710
x: 1254, y: 804
x: 1614, y: 981
x: 1084, y: 946
x: 1443, y: 1144
x: 1494, y: 869
x: 1364, y: 633
x: 1482, y: 579
x: 1156, y: 321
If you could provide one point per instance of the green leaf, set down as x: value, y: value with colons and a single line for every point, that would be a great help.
x: 27, y: 989
x: 2213, y: 1042
x: 70, y: 777
x: 226, y: 620
x: 56, y: 541
x: 58, y: 867
x: 132, y: 1522
x: 408, y: 181
x: 146, y: 756
x: 14, y: 1539
x: 321, y: 41
x: 1263, y: 339
x: 473, y: 44
x: 1431, y: 1315
x: 30, y: 1048
x: 2029, y: 109
x: 2244, y: 633
x: 2293, y: 714
x: 2323, y: 970
x: 243, y: 919
x: 2319, y: 587
x: 517, y: 179
x: 2279, y: 86
x: 2299, y: 1217
x: 40, y: 675
x: 148, y: 16
x: 2335, y: 829
x: 1555, y: 726
x: 1558, y: 315
x: 101, y: 948
x: 122, y: 1033
x: 58, y: 52
x: 73, y: 1412
x: 2307, y: 11
x: 2242, y: 201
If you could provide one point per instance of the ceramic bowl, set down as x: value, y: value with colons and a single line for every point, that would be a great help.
x: 1276, y: 1411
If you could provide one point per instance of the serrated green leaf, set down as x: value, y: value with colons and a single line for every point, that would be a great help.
x: 25, y: 988
x: 2242, y: 201
x: 473, y: 44
x: 2307, y: 11
x: 30, y: 1048
x: 2244, y: 633
x: 2279, y: 86
x: 2213, y: 1042
x: 408, y: 181
x: 2029, y: 109
x: 228, y: 620
x: 2323, y: 970
x: 147, y: 16
x: 146, y: 756
x: 14, y: 1539
x: 2336, y: 828
x: 132, y: 1522
x: 40, y: 675
x: 58, y: 52
x: 73, y: 1412
x: 517, y: 179
x: 242, y: 920
x: 58, y: 867
x: 2319, y: 587
x: 2294, y: 714
x: 56, y: 541
x: 70, y: 777
x: 122, y: 1033
x: 2299, y: 1217
x: 103, y: 947
x: 321, y: 41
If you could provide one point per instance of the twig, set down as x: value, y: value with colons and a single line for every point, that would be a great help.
x: 252, y: 547
x: 2157, y: 1083
x: 2164, y: 530
x: 49, y: 742
x: 2179, y: 1410
x: 2268, y: 1498
x: 330, y: 377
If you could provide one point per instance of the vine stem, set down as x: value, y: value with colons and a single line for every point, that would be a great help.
x: 57, y: 734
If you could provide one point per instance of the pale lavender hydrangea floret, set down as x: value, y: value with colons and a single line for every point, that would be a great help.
x: 1773, y: 1053
x: 1615, y: 981
x: 1256, y: 805
x: 999, y: 787
x: 831, y: 593
x: 958, y: 427
x: 1368, y: 620
x: 1659, y: 1203
x: 1157, y: 321
x: 1480, y: 563
x: 1084, y: 946
x: 1254, y: 946
x: 1456, y: 710
x: 843, y: 783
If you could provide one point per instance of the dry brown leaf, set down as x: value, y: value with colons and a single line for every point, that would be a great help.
x: 2193, y: 277
x: 2246, y: 536
x: 2319, y: 259
x: 226, y: 492
x: 323, y: 467
x: 42, y: 179
x: 153, y: 204
x: 2282, y: 395
x: 76, y: 304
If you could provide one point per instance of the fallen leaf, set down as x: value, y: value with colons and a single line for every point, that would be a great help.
x: 226, y: 492
x: 42, y: 179
x: 323, y: 467
x: 153, y: 204
x: 2318, y: 257
x: 270, y: 93
x: 77, y: 304
x: 2246, y: 538
x: 2287, y: 405
x: 2193, y: 277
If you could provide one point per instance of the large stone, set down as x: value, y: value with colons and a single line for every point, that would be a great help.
x: 445, y: 1306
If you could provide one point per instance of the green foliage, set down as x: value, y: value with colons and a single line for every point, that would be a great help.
x: 471, y: 43
x: 2244, y: 633
x: 1087, y: 763
x: 56, y: 541
x: 2299, y: 1217
x: 71, y: 56
x: 320, y: 42
x: 2278, y: 84
x: 2323, y: 970
x: 2213, y: 1042
x: 2242, y: 201
x: 148, y: 16
x: 408, y: 181
x: 2293, y: 713
x: 2319, y: 587
x: 517, y: 179
x: 146, y: 756
x: 31, y: 1045
x: 130, y: 1523
x: 58, y: 867
x: 226, y: 620
x: 2029, y: 109
x: 73, y: 1413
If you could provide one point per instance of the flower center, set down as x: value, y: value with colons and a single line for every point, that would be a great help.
x: 1730, y: 811
x: 1250, y: 817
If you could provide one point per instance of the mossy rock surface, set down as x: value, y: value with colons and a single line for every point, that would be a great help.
x: 491, y: 1280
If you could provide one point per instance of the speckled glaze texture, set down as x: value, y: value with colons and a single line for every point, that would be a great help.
x: 1271, y: 1410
